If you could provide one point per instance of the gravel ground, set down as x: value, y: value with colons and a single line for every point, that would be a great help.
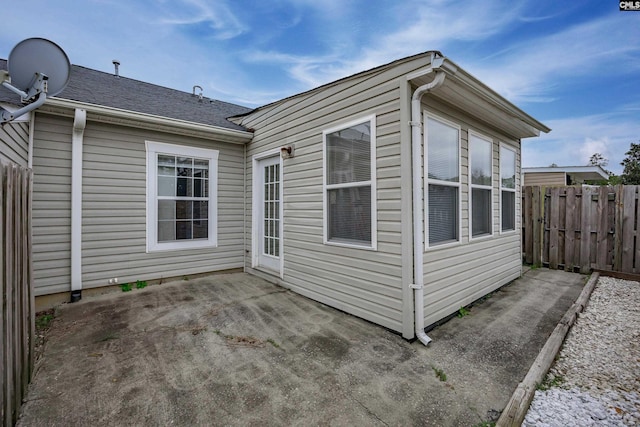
x: 596, y: 378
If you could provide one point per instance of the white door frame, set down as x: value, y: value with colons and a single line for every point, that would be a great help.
x: 257, y: 208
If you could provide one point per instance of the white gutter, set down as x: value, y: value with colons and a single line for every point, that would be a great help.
x: 418, y: 214
x: 79, y: 124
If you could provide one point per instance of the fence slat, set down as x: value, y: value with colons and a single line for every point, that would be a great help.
x: 628, y: 236
x: 569, y: 232
x: 17, y: 318
x: 528, y: 224
x: 585, y: 231
x: 617, y: 232
x: 537, y: 209
x: 554, y: 220
x: 602, y: 231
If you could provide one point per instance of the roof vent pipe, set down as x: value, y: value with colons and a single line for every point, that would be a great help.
x: 194, y: 91
x: 116, y: 64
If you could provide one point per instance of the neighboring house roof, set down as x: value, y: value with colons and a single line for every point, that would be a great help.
x: 460, y: 90
x: 583, y: 173
x: 104, y: 89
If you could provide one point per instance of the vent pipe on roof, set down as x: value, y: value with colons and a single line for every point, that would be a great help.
x: 116, y: 63
x: 194, y: 92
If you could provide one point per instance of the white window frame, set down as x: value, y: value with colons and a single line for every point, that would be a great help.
x: 371, y: 183
x: 474, y: 134
x: 155, y: 148
x: 427, y: 181
x: 513, y: 190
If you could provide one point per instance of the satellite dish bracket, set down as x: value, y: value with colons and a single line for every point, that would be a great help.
x: 37, y: 93
x: 38, y: 68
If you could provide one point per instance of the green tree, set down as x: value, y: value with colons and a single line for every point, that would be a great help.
x: 598, y: 159
x: 631, y: 163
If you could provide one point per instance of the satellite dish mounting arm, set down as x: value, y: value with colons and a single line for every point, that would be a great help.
x: 36, y: 95
x: 36, y: 68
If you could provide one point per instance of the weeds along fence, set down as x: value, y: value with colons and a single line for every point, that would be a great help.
x: 17, y: 317
x: 582, y: 228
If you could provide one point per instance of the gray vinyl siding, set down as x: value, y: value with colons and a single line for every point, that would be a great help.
x: 114, y: 208
x: 52, y: 204
x: 14, y: 143
x: 362, y: 282
x: 456, y: 275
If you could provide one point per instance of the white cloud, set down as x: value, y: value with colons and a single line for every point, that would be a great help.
x: 572, y: 141
x: 219, y: 17
x: 531, y: 71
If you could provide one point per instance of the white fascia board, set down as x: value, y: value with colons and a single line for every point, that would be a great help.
x: 132, y: 118
x: 569, y: 169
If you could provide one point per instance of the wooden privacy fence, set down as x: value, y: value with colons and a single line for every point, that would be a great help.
x: 582, y: 228
x: 17, y: 317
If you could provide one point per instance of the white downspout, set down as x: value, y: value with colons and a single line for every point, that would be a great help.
x: 32, y: 129
x: 79, y: 124
x: 418, y: 214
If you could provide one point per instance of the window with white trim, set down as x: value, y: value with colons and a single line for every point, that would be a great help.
x: 507, y: 189
x: 480, y: 167
x: 349, y: 184
x: 181, y: 197
x: 442, y: 170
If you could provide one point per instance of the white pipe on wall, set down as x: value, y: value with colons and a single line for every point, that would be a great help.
x: 79, y: 124
x: 418, y: 214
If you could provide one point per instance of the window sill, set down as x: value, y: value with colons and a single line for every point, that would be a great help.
x: 181, y: 246
x: 481, y: 237
x: 351, y: 245
x: 443, y: 245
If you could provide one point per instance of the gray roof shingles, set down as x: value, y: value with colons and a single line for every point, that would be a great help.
x: 104, y: 89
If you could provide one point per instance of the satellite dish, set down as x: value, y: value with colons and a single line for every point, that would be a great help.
x: 38, y: 55
x: 37, y: 68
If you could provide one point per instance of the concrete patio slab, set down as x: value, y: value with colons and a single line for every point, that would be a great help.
x: 236, y: 350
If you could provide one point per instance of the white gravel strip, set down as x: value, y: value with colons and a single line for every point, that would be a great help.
x: 596, y: 379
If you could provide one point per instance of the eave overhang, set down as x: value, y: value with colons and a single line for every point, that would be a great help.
x: 466, y: 93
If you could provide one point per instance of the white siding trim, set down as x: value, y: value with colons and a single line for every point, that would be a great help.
x: 372, y: 183
x: 472, y: 133
x: 153, y: 148
x: 426, y: 181
x: 256, y: 206
x: 79, y: 124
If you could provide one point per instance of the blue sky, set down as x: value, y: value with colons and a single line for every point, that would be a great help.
x: 574, y: 65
